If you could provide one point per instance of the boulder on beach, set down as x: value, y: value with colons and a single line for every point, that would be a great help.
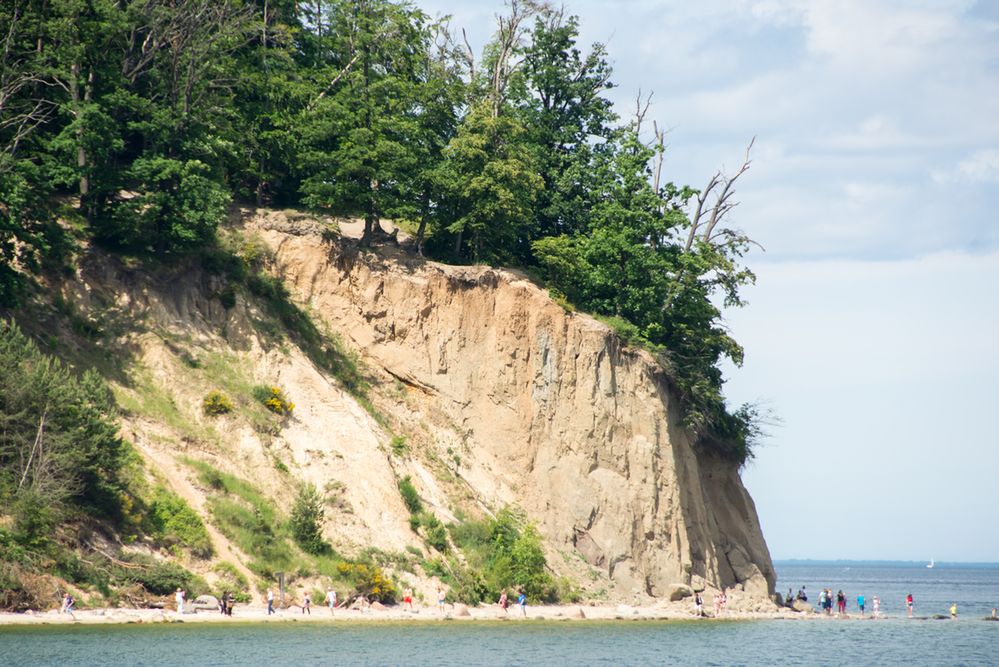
x: 678, y: 592
x: 461, y: 609
x: 206, y: 602
x: 579, y: 613
x: 801, y: 605
x: 378, y: 606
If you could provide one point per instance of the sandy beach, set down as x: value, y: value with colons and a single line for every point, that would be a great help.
x: 320, y: 614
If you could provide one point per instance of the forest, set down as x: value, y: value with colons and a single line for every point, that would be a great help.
x: 136, y: 124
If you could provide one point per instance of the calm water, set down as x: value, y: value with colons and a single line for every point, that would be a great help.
x: 967, y: 641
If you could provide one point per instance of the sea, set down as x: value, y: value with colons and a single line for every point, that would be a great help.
x: 893, y: 640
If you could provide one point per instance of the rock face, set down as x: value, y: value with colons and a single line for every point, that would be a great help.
x: 678, y: 592
x: 544, y: 409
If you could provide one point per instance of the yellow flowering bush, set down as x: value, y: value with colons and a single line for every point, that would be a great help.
x: 274, y: 399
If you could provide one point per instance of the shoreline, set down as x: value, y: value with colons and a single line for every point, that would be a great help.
x: 487, y: 613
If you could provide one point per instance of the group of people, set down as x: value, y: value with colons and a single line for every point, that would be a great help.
x: 504, y: 602
x: 226, y: 603
x: 826, y: 598
x: 333, y: 602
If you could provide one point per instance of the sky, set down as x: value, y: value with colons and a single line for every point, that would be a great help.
x: 873, y: 329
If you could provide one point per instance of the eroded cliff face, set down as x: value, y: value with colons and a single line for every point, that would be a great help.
x: 504, y: 399
x: 525, y: 403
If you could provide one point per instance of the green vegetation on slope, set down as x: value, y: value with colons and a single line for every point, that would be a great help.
x: 502, y: 553
x: 64, y: 474
x: 156, y: 115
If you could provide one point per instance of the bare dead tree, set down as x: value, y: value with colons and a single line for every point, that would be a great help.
x: 641, y: 108
x: 705, y: 220
x: 468, y: 55
x: 659, y: 143
x: 509, y: 37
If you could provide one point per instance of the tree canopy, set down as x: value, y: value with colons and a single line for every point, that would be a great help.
x: 151, y: 116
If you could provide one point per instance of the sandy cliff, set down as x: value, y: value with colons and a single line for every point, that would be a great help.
x: 504, y: 399
x: 538, y: 407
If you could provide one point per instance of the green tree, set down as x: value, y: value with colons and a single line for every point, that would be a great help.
x: 59, y: 444
x: 307, y: 520
x: 566, y: 113
x: 359, y: 133
x: 489, y: 177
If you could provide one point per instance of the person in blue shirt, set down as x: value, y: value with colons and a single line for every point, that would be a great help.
x: 860, y: 603
x: 522, y: 601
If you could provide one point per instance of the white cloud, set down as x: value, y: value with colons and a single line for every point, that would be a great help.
x: 981, y: 167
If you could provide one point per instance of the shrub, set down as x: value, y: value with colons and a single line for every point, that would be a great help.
x: 307, y: 520
x: 227, y: 297
x: 437, y: 537
x: 216, y: 403
x: 368, y: 580
x: 409, y: 495
x: 274, y: 399
x: 176, y: 207
x: 157, y: 577
x: 398, y: 445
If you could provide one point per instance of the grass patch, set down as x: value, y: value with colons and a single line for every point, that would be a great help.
x: 231, y: 580
x: 409, y: 495
x: 248, y: 519
x: 148, y: 398
x: 171, y: 522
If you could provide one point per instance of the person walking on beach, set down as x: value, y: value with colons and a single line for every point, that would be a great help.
x: 67, y: 605
x: 270, y: 601
x: 841, y: 603
x: 699, y: 604
x: 909, y: 603
x: 876, y: 609
x: 441, y: 596
x: 331, y: 600
x: 953, y: 610
x: 504, y: 603
x: 225, y: 595
x: 230, y: 602
x: 179, y: 596
x: 307, y: 603
x: 407, y: 599
x: 522, y: 601
x: 718, y: 604
x: 860, y: 603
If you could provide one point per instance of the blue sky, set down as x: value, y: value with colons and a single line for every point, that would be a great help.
x: 873, y: 329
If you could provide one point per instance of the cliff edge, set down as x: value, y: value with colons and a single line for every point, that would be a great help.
x: 542, y: 408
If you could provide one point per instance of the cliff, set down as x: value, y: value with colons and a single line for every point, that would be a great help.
x: 547, y: 409
x: 503, y: 397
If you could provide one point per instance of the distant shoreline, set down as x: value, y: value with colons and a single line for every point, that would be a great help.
x: 945, y: 564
